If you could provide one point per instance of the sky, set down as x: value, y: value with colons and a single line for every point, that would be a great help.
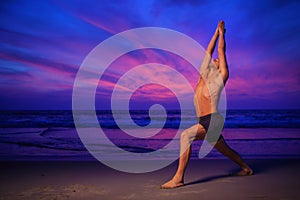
x: 43, y: 44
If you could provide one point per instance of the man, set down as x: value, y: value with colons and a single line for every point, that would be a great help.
x: 212, y: 80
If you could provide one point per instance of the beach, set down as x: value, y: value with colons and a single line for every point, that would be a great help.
x: 43, y: 157
x: 205, y: 179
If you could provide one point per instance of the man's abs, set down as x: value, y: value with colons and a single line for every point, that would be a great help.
x: 205, y: 102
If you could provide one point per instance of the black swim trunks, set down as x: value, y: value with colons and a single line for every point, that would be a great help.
x: 213, y: 124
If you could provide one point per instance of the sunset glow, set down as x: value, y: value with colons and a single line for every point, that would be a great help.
x: 43, y: 44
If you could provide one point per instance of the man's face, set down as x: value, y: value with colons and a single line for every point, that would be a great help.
x: 216, y: 62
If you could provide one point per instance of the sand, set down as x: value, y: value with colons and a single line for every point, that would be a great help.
x: 205, y: 179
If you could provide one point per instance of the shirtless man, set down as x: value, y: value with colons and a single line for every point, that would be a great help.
x: 212, y: 80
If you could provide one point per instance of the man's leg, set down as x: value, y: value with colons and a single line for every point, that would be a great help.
x: 196, y: 132
x: 222, y: 147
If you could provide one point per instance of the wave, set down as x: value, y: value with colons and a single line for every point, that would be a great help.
x: 64, y: 143
x: 175, y: 118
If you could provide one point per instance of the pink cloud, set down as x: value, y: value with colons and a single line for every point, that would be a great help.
x: 130, y: 61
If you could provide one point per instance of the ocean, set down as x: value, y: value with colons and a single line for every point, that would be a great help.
x: 51, y: 135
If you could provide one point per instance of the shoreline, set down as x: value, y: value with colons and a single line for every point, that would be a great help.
x: 64, y: 144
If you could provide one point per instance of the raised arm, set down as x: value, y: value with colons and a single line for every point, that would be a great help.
x: 223, y: 67
x: 209, y: 51
x: 211, y: 46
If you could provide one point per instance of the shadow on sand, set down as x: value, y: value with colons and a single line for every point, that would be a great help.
x: 208, y: 179
x: 259, y: 166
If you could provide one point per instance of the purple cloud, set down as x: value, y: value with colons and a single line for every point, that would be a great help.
x: 43, y: 44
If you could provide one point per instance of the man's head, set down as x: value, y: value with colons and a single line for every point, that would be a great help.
x: 216, y: 62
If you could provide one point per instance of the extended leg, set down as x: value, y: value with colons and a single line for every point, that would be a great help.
x: 196, y: 132
x: 222, y: 147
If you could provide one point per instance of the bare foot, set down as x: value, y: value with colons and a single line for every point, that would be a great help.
x: 171, y: 184
x: 244, y: 172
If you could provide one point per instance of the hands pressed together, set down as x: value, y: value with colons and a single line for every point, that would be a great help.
x: 220, y: 28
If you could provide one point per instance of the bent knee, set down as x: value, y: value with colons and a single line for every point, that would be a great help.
x: 187, y: 136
